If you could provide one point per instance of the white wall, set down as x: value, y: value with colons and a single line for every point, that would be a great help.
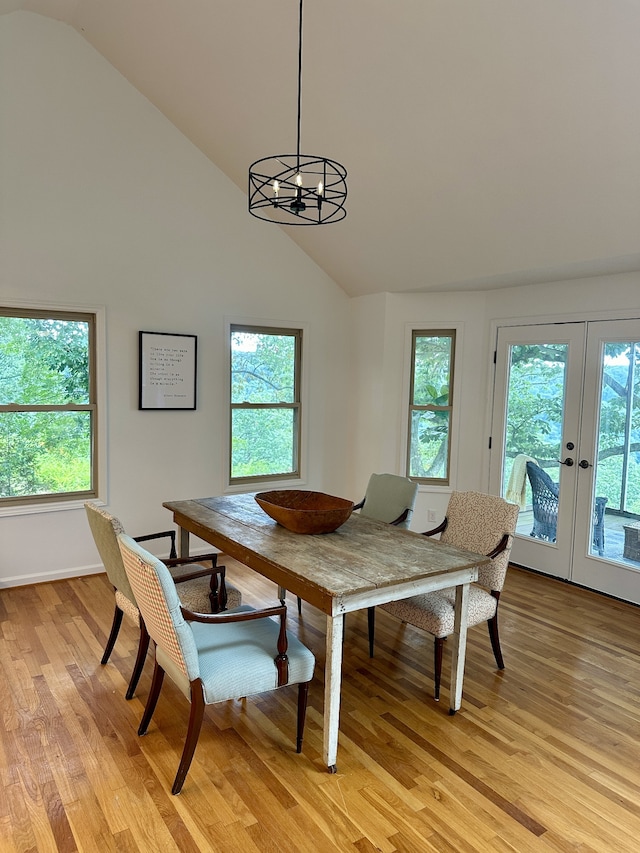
x: 104, y: 202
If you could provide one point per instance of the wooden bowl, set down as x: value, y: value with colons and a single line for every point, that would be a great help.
x: 305, y: 512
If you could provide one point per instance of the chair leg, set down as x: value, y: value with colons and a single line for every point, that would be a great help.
x: 113, y: 636
x: 143, y: 646
x: 303, y: 693
x: 193, y: 733
x: 371, y: 622
x: 152, y: 700
x: 438, y: 649
x: 299, y: 606
x: 495, y: 640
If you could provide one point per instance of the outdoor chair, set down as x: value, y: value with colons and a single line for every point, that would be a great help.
x: 201, y: 589
x: 212, y: 658
x: 477, y: 522
x: 545, y: 508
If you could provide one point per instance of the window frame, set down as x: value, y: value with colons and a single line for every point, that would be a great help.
x: 94, y: 317
x: 453, y: 333
x: 296, y: 405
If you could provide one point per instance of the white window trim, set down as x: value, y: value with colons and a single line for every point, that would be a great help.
x: 285, y: 482
x: 101, y: 399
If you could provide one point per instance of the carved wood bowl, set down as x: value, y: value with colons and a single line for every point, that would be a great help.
x: 305, y: 512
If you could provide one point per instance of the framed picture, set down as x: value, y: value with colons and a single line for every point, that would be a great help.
x: 167, y: 371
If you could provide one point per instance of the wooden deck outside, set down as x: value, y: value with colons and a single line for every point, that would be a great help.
x: 544, y: 756
x: 613, y: 535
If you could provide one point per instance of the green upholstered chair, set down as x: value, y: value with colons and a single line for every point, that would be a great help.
x: 389, y: 498
x: 201, y: 589
x: 477, y: 522
x: 212, y: 658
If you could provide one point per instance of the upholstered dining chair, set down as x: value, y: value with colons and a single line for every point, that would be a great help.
x: 389, y: 498
x: 212, y: 658
x: 477, y: 522
x: 201, y: 589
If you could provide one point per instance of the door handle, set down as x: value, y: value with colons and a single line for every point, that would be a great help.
x: 568, y: 462
x: 584, y: 464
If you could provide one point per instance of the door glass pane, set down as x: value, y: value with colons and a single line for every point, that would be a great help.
x: 616, y: 533
x: 533, y: 434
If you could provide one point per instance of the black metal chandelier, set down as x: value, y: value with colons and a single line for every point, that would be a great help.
x: 298, y: 189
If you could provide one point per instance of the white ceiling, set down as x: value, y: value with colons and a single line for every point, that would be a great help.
x: 489, y: 143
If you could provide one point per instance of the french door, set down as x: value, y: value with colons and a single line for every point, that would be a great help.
x: 566, y: 446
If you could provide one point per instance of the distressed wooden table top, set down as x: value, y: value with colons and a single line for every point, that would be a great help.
x: 360, y: 556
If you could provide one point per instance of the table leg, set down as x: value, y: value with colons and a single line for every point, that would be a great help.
x: 183, y: 544
x: 332, y: 685
x: 459, y: 646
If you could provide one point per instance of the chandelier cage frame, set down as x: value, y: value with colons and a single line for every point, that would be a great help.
x: 298, y: 189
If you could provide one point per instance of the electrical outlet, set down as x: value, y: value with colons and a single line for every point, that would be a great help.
x: 431, y: 515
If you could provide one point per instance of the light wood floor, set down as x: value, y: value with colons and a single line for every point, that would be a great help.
x: 542, y: 757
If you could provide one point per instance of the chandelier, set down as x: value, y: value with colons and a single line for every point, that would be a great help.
x: 297, y: 189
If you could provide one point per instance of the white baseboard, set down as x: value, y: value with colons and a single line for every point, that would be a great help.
x: 63, y: 574
x: 45, y: 577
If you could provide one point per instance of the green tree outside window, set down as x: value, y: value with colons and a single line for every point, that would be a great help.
x: 430, y: 409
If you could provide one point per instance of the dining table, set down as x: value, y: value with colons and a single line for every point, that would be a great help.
x: 362, y: 564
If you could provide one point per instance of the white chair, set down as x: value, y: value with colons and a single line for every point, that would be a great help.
x: 201, y: 589
x: 212, y: 658
x: 477, y: 522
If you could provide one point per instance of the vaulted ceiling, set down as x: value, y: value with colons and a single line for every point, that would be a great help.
x: 489, y: 143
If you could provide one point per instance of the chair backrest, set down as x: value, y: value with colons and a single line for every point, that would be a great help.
x: 105, y: 529
x: 388, y: 496
x: 544, y: 494
x: 478, y: 522
x: 542, y: 484
x: 158, y: 602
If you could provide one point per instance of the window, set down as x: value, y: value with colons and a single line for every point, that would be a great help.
x: 430, y: 398
x: 265, y: 403
x: 48, y: 411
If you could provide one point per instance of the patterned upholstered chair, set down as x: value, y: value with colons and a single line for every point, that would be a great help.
x: 200, y: 589
x: 477, y: 522
x: 212, y: 658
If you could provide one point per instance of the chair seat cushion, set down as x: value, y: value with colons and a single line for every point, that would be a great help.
x: 221, y: 647
x: 194, y: 595
x: 434, y: 611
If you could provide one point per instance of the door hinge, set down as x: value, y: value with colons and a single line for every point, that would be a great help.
x: 489, y: 442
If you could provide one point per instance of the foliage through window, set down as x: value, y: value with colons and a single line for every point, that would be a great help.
x: 265, y: 403
x: 430, y: 409
x: 47, y: 405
